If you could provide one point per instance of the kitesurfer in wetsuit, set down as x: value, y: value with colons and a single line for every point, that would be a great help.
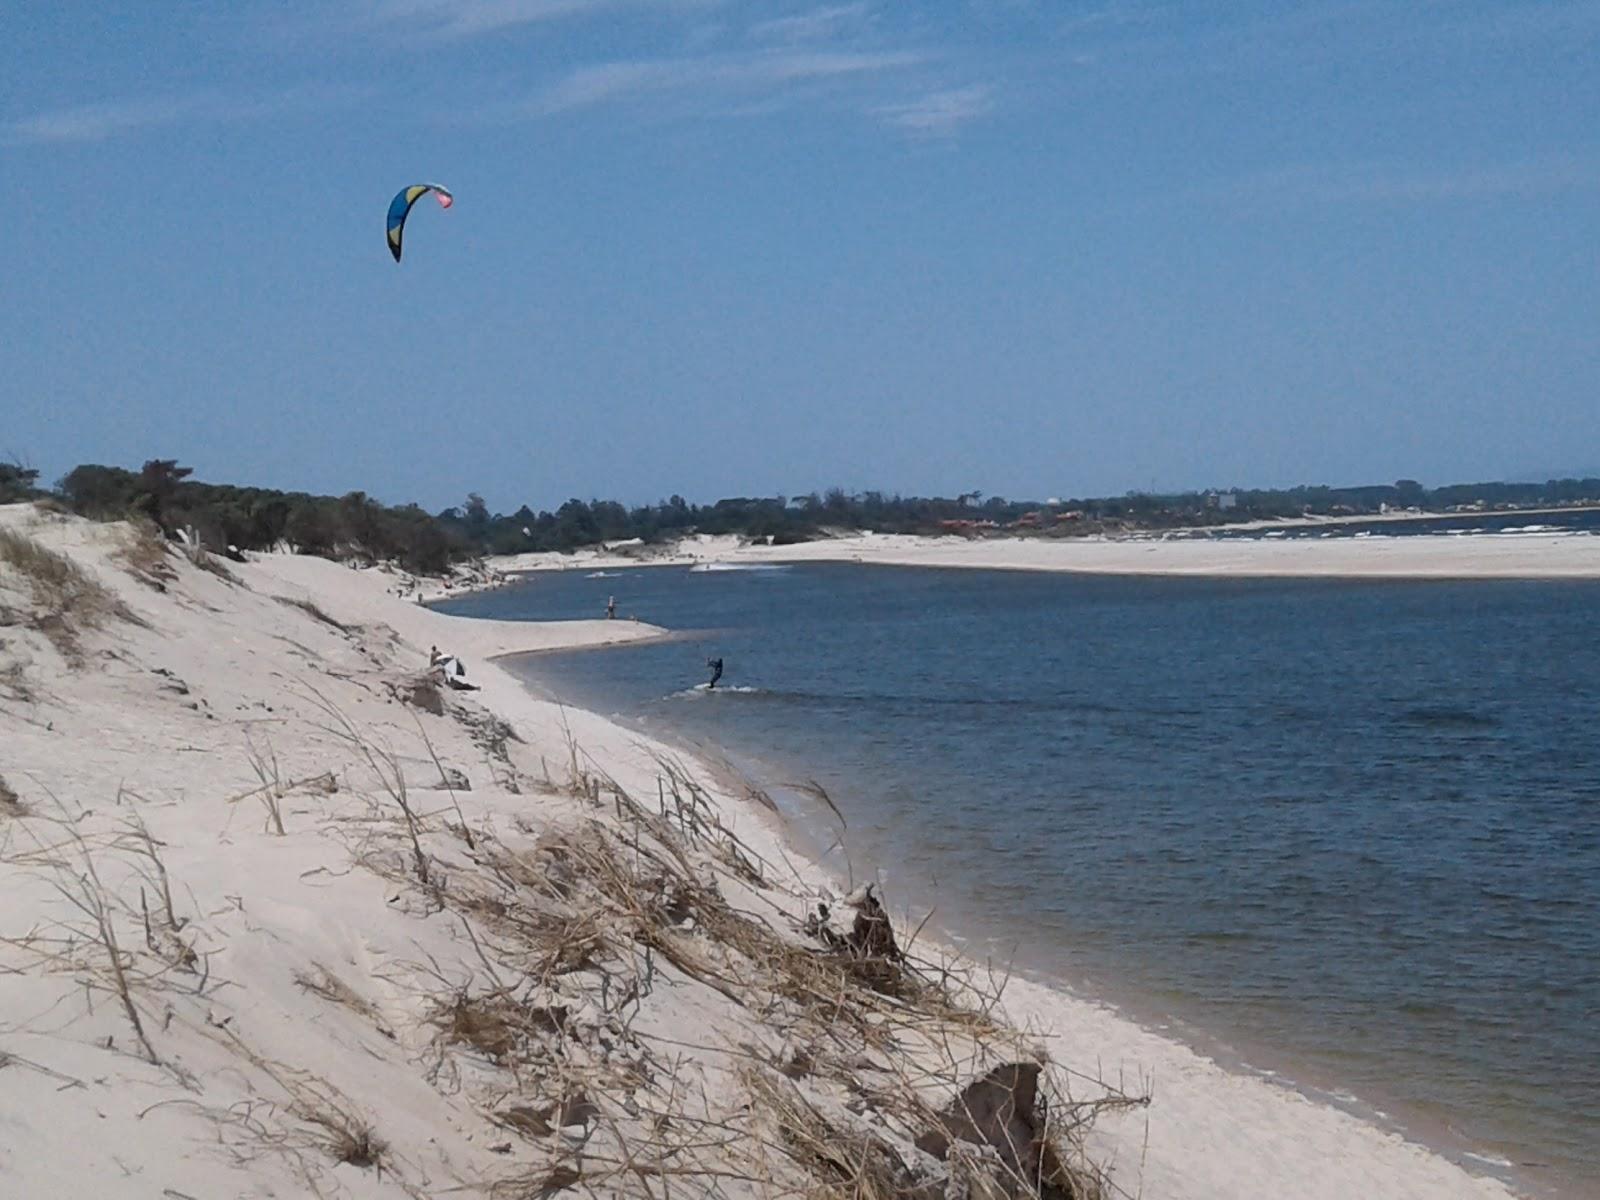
x: 716, y: 671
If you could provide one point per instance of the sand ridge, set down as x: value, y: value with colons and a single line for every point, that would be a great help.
x: 315, y: 1017
x: 1552, y: 555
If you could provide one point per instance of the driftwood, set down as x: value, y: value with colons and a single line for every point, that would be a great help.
x: 1002, y: 1111
x: 871, y: 935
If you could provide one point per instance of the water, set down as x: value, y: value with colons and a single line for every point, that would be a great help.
x: 1351, y: 828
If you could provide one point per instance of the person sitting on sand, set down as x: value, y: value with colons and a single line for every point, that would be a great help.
x: 716, y: 671
x: 451, y: 669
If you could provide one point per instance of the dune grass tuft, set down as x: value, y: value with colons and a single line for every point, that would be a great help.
x: 315, y: 613
x: 11, y: 804
x: 146, y: 554
x: 66, y: 599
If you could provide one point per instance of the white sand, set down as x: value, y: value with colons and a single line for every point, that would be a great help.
x: 158, y: 725
x: 1447, y: 556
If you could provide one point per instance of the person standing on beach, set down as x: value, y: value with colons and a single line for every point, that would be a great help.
x: 716, y: 672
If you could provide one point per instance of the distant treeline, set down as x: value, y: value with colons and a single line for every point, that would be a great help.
x: 351, y: 526
x: 356, y: 526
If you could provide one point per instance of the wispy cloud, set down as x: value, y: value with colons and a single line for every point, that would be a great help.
x: 615, y: 81
x: 454, y: 19
x: 817, y: 25
x: 941, y: 113
x: 472, y: 18
x: 107, y: 119
x: 97, y: 122
x: 1391, y: 183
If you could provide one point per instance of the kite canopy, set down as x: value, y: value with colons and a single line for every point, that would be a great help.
x: 400, y: 208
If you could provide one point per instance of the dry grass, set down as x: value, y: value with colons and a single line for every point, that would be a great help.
x: 498, y: 1025
x: 328, y: 1121
x: 161, y: 933
x: 146, y: 554
x: 14, y: 674
x: 11, y: 804
x: 836, y: 1161
x: 212, y: 565
x: 854, y: 1061
x: 320, y: 981
x: 877, y: 1046
x: 66, y: 599
x: 69, y: 863
x: 385, y: 767
x: 493, y: 736
x: 275, y: 788
x: 193, y: 547
x: 315, y: 613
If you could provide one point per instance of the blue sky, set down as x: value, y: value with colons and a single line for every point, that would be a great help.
x: 720, y: 248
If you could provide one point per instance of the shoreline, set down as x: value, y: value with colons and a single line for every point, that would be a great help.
x: 1042, y: 992
x: 1452, y: 556
x: 222, y: 691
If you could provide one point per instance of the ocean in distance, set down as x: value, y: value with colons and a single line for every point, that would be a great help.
x: 1349, y: 831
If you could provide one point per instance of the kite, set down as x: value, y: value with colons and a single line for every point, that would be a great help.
x: 400, y: 207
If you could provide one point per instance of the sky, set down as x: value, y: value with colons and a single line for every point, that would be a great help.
x: 708, y: 247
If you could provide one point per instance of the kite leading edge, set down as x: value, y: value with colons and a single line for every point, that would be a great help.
x: 400, y: 208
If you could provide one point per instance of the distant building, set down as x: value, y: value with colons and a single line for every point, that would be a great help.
x: 1222, y: 500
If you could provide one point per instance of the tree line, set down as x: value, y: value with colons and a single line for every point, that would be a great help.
x: 355, y: 526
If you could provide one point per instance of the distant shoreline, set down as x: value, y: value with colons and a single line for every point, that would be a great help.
x: 1494, y: 514
x: 1552, y: 555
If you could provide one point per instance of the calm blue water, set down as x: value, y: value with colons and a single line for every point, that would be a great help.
x: 1352, y: 825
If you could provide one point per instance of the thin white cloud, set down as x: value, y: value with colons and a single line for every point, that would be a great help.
x: 817, y: 25
x: 449, y: 19
x: 97, y: 122
x: 615, y: 81
x: 104, y: 120
x: 942, y: 113
x: 472, y: 18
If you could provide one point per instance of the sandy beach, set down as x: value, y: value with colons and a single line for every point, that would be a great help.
x: 1464, y: 556
x: 285, y: 917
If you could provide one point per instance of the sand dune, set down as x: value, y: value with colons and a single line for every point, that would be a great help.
x: 1480, y: 556
x: 232, y: 963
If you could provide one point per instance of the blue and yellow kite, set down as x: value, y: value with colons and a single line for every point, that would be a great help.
x: 400, y: 207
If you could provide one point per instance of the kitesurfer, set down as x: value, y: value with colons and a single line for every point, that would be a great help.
x: 716, y: 671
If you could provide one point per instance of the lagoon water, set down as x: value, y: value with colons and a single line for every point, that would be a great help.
x: 1349, y: 830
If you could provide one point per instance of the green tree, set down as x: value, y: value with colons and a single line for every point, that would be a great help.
x: 157, y: 489
x: 101, y: 492
x: 16, y: 483
x: 475, y: 516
